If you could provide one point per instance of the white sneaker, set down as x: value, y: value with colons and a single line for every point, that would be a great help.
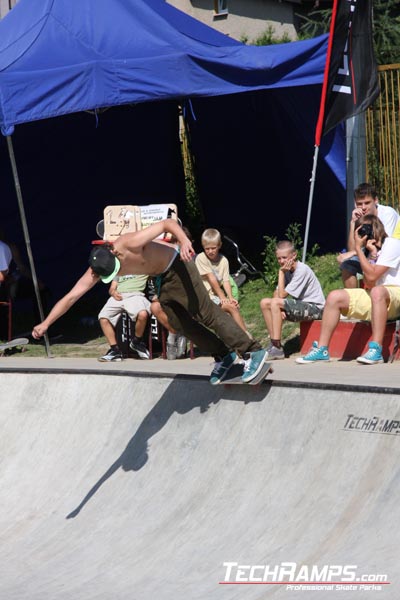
x: 181, y: 343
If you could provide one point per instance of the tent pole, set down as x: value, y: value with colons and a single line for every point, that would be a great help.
x: 26, y: 236
x: 310, y: 200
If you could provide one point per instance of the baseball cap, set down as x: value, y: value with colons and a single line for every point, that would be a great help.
x: 104, y: 263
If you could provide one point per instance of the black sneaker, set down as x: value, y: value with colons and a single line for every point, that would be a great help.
x: 111, y: 356
x: 140, y: 349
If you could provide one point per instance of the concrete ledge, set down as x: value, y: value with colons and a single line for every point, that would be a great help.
x: 349, y: 340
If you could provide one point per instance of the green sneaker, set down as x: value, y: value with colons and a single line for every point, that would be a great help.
x: 316, y: 354
x: 221, y: 368
x: 373, y: 356
x: 254, y: 364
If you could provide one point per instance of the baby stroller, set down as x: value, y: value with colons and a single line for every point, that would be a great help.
x: 241, y: 267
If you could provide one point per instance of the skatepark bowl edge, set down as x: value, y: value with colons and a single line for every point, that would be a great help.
x: 121, y: 485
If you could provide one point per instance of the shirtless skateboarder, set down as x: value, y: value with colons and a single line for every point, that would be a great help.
x: 182, y: 295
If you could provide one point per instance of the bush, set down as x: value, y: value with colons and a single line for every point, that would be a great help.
x: 270, y: 265
x: 327, y: 270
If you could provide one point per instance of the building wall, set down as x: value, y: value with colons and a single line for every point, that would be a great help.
x: 5, y: 6
x: 246, y: 19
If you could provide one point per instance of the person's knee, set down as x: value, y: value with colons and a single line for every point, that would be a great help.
x: 227, y: 308
x: 234, y: 310
x: 265, y: 303
x: 337, y: 298
x: 277, y: 304
x: 155, y: 308
x: 380, y: 294
x: 104, y: 323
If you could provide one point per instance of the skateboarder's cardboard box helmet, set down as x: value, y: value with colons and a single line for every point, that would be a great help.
x: 104, y: 263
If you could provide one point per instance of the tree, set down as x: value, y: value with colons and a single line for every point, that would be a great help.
x: 386, y: 22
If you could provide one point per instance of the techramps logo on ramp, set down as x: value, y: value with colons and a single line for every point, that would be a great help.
x: 295, y: 577
x: 361, y: 424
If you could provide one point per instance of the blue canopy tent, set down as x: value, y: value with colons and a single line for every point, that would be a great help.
x: 59, y: 58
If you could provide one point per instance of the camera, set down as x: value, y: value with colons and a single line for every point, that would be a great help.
x: 366, y: 230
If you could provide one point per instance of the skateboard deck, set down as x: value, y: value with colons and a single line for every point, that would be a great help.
x: 234, y: 375
x: 7, y: 347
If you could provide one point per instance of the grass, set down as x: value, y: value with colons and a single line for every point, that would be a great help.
x: 69, y: 337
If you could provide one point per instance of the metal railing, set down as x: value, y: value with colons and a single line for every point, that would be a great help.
x: 383, y: 137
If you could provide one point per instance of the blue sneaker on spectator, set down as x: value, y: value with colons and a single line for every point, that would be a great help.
x: 254, y: 365
x: 373, y: 356
x: 316, y: 354
x: 221, y: 368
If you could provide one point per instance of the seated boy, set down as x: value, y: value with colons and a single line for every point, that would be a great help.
x: 378, y: 302
x: 214, y: 270
x: 127, y: 294
x: 176, y: 343
x: 306, y: 304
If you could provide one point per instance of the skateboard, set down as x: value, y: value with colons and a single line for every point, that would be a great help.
x: 234, y: 375
x: 13, y: 346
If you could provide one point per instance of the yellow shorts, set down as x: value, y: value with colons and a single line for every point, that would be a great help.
x: 360, y: 303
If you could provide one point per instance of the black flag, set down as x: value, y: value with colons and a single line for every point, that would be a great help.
x: 351, y: 78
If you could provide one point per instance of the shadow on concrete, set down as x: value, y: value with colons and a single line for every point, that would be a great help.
x: 180, y: 397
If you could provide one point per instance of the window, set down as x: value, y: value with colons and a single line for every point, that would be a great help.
x: 221, y: 7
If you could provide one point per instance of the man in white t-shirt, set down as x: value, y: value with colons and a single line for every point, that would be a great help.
x: 307, y: 299
x: 377, y: 303
x: 5, y: 259
x: 366, y: 203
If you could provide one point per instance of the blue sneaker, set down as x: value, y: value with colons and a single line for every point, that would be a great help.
x: 221, y: 368
x: 254, y: 365
x: 316, y: 354
x: 373, y: 356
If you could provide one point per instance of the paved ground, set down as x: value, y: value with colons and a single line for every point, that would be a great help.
x: 139, y: 480
x: 335, y: 373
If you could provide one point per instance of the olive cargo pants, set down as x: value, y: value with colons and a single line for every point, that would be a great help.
x: 191, y: 312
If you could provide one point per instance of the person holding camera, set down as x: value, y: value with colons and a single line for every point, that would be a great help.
x: 377, y: 302
x: 366, y: 203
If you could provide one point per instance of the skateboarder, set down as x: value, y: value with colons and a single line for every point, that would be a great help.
x: 182, y: 295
